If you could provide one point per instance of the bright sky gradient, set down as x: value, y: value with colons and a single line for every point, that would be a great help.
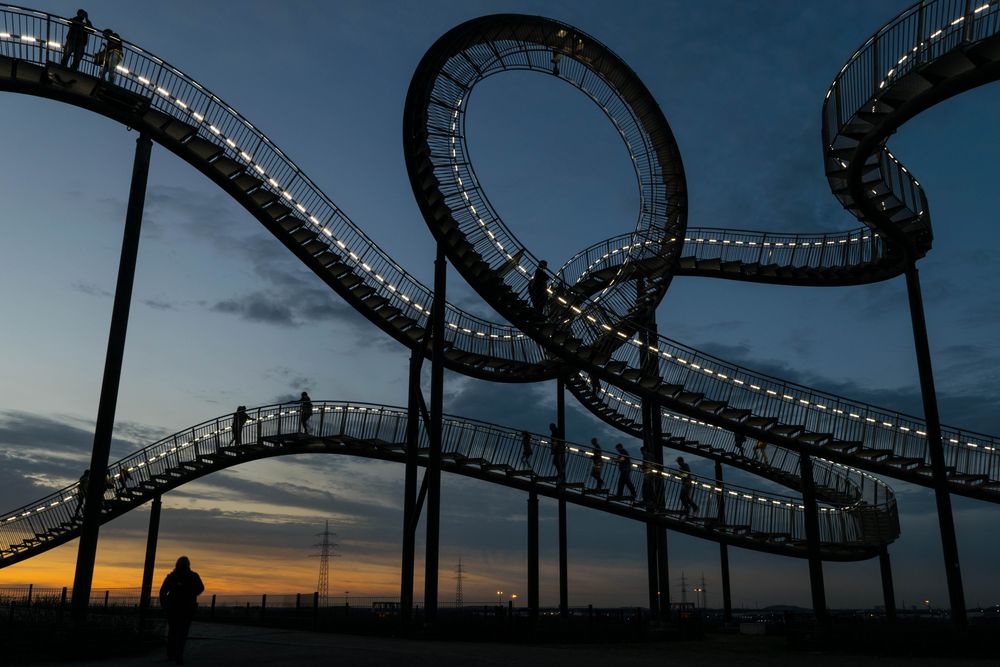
x: 223, y: 315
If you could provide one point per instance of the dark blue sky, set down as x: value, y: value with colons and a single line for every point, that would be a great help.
x: 224, y: 315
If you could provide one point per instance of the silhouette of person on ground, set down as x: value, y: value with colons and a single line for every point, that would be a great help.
x: 240, y: 418
x: 110, y: 56
x: 76, y: 40
x: 739, y: 440
x: 179, y: 599
x: 760, y: 447
x: 305, y: 412
x: 81, y: 492
x: 686, y: 503
x: 597, y: 464
x: 558, y: 452
x: 538, y: 287
x: 526, y: 448
x: 624, y: 471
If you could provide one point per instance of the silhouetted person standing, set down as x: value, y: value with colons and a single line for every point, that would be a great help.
x: 739, y: 440
x: 179, y: 599
x: 123, y: 479
x: 624, y: 471
x: 760, y: 447
x: 597, y: 464
x: 81, y: 492
x: 76, y: 40
x: 526, y: 448
x: 240, y: 418
x: 305, y: 412
x: 538, y: 288
x: 558, y: 452
x: 686, y: 503
x: 110, y: 56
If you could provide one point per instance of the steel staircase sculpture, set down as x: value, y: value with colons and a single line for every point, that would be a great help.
x: 594, y: 322
x: 744, y: 517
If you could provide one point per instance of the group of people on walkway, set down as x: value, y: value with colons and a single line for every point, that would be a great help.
x: 108, y: 58
x: 652, y: 485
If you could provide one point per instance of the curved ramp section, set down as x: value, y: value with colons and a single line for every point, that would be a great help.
x: 496, y: 454
x: 594, y: 334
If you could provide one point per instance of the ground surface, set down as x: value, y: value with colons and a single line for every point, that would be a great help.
x: 214, y: 644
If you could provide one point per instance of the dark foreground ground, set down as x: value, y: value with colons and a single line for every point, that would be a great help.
x: 216, y: 644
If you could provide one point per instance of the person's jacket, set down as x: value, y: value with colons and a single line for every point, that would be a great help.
x: 180, y: 590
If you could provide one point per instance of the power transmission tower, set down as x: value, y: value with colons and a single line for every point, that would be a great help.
x: 459, y: 595
x: 325, y: 554
x: 704, y: 593
x: 684, y: 590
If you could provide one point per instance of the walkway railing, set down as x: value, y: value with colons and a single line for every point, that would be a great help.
x: 470, y: 447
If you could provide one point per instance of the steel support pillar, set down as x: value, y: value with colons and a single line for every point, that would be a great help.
x: 434, y: 455
x: 410, y: 488
x: 888, y: 593
x: 533, y: 555
x: 149, y: 564
x: 811, y: 518
x: 939, y: 474
x: 94, y: 500
x: 727, y: 599
x: 563, y: 556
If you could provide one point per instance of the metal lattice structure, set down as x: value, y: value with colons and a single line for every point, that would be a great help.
x: 325, y: 554
x: 596, y: 320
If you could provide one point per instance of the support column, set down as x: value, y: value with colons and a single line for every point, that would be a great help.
x: 811, y: 516
x: 727, y: 600
x: 149, y: 564
x: 888, y: 593
x: 87, y: 551
x: 563, y: 557
x: 939, y: 474
x: 433, y: 474
x: 410, y: 488
x: 533, y: 555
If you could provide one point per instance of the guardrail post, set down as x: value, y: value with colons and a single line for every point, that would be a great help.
x: 149, y: 563
x: 211, y: 612
x: 888, y: 593
x: 811, y: 520
x: 563, y: 556
x: 727, y: 599
x: 433, y: 474
x: 970, y: 18
x: 263, y: 605
x: 87, y: 552
x: 31, y: 588
x: 533, y: 555
x: 410, y: 489
x: 316, y: 610
x: 935, y: 447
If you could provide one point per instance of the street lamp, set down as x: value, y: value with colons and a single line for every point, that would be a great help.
x: 513, y: 598
x: 500, y: 597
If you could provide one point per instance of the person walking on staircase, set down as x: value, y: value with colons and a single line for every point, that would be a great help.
x: 76, y: 40
x: 597, y: 463
x: 240, y: 418
x: 305, y: 412
x: 624, y: 471
x: 686, y: 503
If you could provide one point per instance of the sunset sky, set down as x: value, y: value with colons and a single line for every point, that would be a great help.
x: 223, y: 315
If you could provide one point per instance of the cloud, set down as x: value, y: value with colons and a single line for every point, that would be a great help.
x: 258, y: 307
x: 90, y: 289
x: 158, y: 304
